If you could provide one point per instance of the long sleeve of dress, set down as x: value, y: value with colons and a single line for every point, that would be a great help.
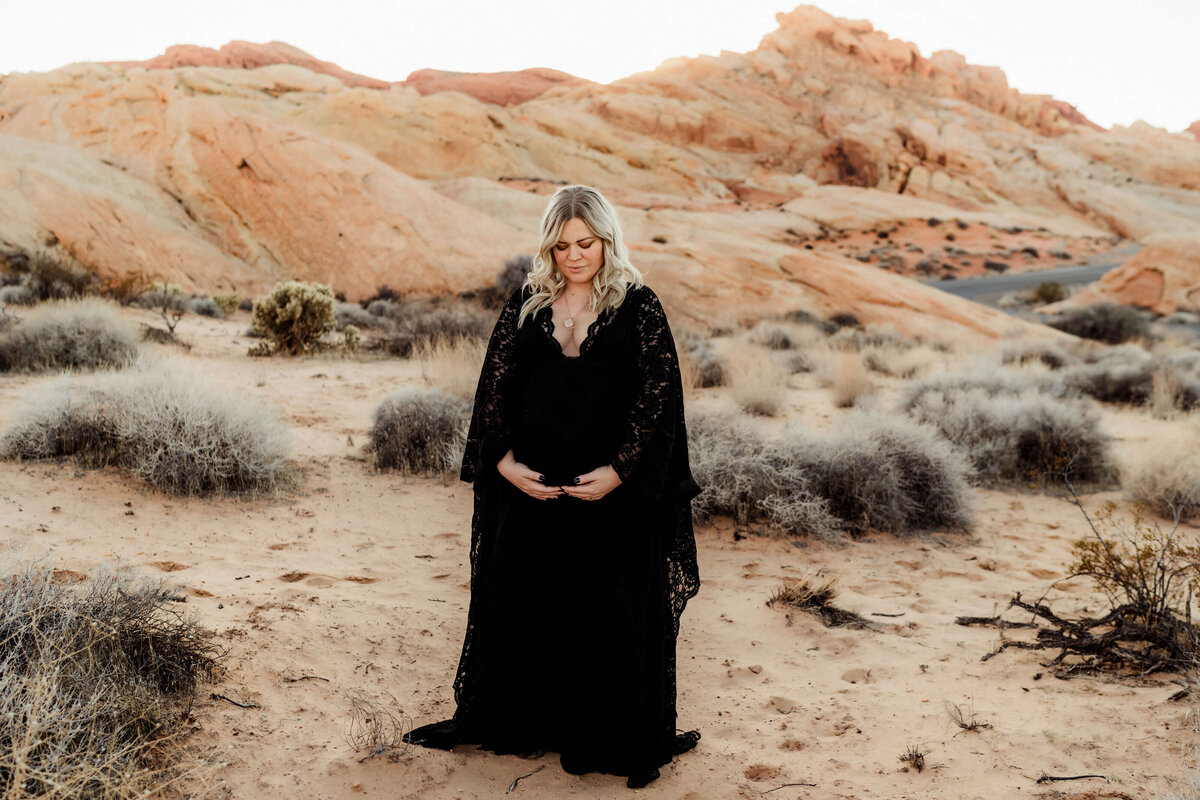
x: 644, y: 455
x: 490, y: 432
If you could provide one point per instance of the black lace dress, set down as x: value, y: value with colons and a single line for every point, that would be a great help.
x: 575, y: 605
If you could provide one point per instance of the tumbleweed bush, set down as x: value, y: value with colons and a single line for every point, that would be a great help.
x: 417, y: 430
x: 82, y: 335
x: 97, y: 678
x: 166, y: 423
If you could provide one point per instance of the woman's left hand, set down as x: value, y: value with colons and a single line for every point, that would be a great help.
x: 594, y: 485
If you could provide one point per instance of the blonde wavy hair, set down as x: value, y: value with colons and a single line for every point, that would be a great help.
x: 612, y: 280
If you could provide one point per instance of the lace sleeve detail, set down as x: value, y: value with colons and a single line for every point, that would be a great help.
x: 644, y: 454
x: 489, y: 434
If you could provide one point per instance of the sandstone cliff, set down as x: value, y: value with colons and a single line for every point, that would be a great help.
x: 738, y: 175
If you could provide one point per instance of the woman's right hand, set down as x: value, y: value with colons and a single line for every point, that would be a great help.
x: 525, y: 479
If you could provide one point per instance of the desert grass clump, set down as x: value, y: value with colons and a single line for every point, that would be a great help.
x: 851, y: 382
x: 1168, y: 480
x: 513, y: 275
x: 1104, y: 322
x: 82, y: 335
x: 98, y: 675
x: 978, y: 379
x: 699, y: 360
x: 1020, y: 439
x: 758, y: 385
x: 295, y: 315
x: 419, y: 431
x: 168, y: 424
x: 815, y: 596
x: 452, y: 365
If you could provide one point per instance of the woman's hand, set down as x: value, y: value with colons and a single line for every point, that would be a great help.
x: 595, y: 484
x: 525, y: 479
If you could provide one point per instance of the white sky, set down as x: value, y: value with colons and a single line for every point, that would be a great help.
x: 1116, y: 60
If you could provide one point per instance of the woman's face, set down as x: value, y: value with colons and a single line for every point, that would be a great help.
x: 578, y: 253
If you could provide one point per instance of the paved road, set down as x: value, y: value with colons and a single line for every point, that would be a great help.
x: 989, y: 288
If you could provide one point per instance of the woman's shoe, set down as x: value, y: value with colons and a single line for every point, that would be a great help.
x: 640, y: 779
x: 685, y: 741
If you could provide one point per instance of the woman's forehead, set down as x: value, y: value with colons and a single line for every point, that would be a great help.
x: 575, y: 228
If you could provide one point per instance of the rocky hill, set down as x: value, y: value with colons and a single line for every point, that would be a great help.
x: 815, y: 171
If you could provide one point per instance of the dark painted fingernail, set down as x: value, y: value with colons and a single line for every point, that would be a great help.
x: 542, y: 478
x: 575, y: 481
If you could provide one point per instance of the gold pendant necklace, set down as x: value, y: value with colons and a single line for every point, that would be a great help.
x: 569, y: 322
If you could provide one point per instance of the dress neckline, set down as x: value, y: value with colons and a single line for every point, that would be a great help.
x: 549, y: 327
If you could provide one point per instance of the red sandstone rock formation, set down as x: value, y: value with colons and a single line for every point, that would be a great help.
x: 1164, y: 277
x: 249, y: 55
x: 276, y: 164
x: 498, y: 88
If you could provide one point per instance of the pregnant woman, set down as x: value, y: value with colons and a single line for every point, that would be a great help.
x: 582, y: 552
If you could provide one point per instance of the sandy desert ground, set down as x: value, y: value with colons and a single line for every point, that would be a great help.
x: 360, y: 580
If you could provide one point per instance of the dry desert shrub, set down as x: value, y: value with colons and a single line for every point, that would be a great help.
x: 453, y: 365
x: 353, y: 314
x: 49, y: 274
x: 295, y: 315
x: 851, y: 382
x: 815, y: 596
x: 205, y: 307
x: 1047, y: 354
x: 166, y: 423
x: 1019, y: 438
x: 83, y: 334
x: 422, y: 321
x: 1168, y: 480
x: 758, y: 385
x: 1104, y: 322
x: 887, y: 474
x: 16, y: 296
x: 702, y: 365
x: 748, y: 479
x: 97, y: 681
x: 419, y: 431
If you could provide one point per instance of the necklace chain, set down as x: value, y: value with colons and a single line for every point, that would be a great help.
x: 570, y: 320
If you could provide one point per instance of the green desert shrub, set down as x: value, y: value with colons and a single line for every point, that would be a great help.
x: 417, y: 430
x: 1104, y: 322
x: 98, y: 676
x: 82, y: 334
x: 869, y: 473
x: 228, y: 303
x: 295, y: 315
x: 1020, y: 439
x: 168, y: 424
x: 1049, y: 292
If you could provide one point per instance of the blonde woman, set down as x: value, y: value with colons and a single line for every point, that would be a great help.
x: 582, y: 552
